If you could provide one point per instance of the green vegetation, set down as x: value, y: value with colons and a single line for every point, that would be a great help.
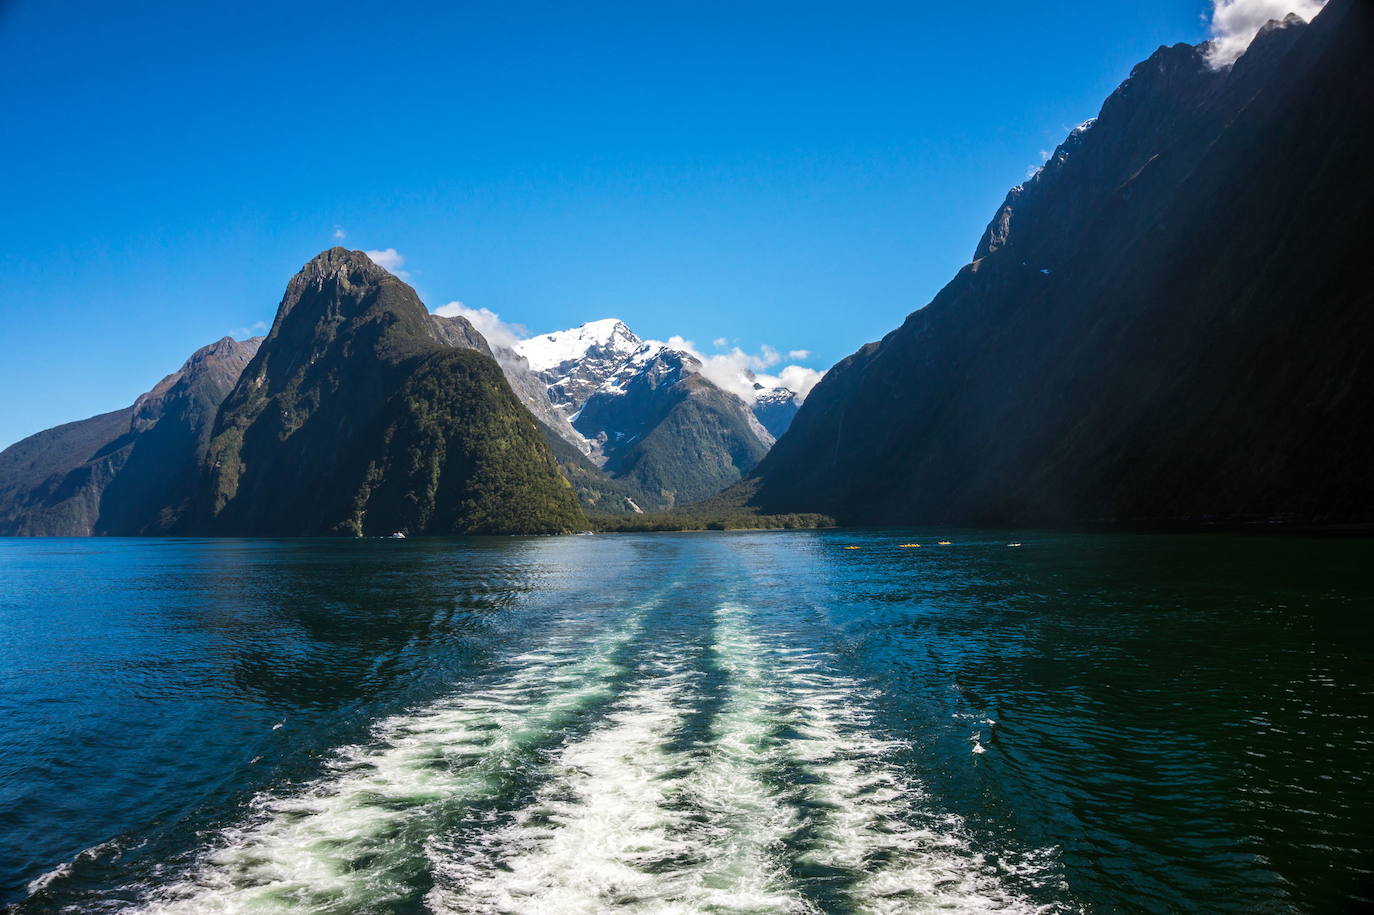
x: 462, y: 456
x: 688, y: 520
x: 50, y: 483
x: 596, y: 490
x: 726, y: 511
x: 355, y: 420
x: 702, y: 446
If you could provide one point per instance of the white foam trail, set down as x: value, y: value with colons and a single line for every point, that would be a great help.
x: 866, y: 819
x: 736, y: 786
x: 353, y: 841
x: 601, y: 833
x: 633, y: 815
x: 43, y: 881
x: 633, y: 820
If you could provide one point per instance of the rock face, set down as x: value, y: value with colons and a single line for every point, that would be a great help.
x: 576, y: 363
x: 775, y: 408
x: 1170, y: 322
x: 677, y: 436
x: 51, y: 482
x: 454, y: 330
x: 533, y: 392
x: 364, y: 414
x: 128, y: 472
x: 648, y: 416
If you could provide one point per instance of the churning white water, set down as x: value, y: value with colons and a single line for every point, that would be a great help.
x: 725, y: 772
x: 353, y: 840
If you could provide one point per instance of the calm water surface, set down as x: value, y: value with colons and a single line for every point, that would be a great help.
x: 741, y: 722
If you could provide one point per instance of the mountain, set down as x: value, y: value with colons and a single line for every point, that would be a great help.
x: 364, y: 414
x: 1168, y: 323
x: 602, y: 356
x: 576, y: 363
x: 359, y: 412
x: 126, y: 472
x: 648, y: 415
x: 775, y: 408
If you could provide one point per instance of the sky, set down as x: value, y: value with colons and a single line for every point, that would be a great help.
x: 798, y: 176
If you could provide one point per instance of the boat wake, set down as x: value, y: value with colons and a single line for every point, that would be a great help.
x: 354, y: 840
x: 732, y: 773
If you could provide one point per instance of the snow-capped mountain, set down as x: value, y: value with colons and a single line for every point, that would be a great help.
x: 577, y: 363
x: 775, y: 407
x: 607, y: 339
x: 648, y: 412
x: 604, y: 358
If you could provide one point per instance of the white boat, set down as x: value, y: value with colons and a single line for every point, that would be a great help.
x: 397, y: 535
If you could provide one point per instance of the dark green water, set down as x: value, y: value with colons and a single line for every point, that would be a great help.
x: 757, y: 722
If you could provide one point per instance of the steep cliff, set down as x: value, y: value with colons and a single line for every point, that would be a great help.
x: 1170, y: 322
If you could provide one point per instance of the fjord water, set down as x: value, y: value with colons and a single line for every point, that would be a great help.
x: 734, y: 722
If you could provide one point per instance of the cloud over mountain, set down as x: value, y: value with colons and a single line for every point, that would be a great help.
x: 737, y: 371
x: 389, y: 259
x: 488, y: 323
x: 1235, y: 23
x: 734, y: 370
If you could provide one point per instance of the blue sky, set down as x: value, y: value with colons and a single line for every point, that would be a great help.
x: 794, y: 175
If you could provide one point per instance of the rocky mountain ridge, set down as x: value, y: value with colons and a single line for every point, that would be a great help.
x: 339, y: 415
x: 1165, y: 324
x: 602, y: 358
x: 126, y: 472
x: 363, y: 414
x: 647, y: 414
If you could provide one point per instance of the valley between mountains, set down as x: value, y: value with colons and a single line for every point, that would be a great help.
x: 1170, y: 322
x: 362, y: 413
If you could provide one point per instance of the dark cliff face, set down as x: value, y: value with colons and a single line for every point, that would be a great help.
x: 359, y: 416
x: 129, y: 472
x: 151, y: 494
x: 50, y: 483
x: 1170, y: 322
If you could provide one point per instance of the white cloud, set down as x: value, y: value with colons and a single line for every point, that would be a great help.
x: 252, y: 330
x: 1034, y: 170
x: 488, y: 323
x: 1235, y: 23
x: 737, y: 371
x: 799, y: 354
x: 339, y: 233
x: 719, y: 342
x: 799, y: 379
x: 389, y: 259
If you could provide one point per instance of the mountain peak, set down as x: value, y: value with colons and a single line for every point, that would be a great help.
x: 606, y: 338
x: 353, y: 267
x: 337, y: 274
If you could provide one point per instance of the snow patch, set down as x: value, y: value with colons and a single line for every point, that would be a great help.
x: 548, y: 351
